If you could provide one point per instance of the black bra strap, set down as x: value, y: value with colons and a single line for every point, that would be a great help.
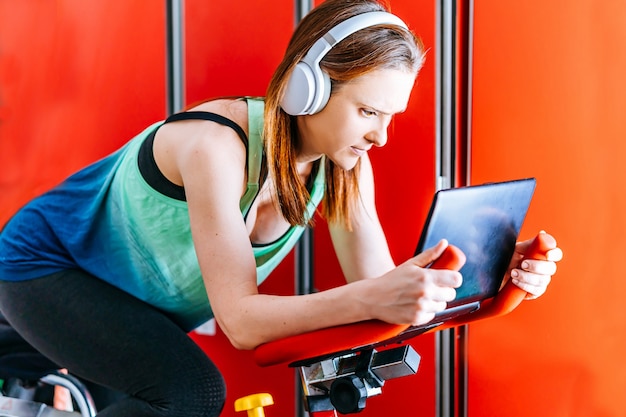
x: 212, y: 117
x: 147, y: 164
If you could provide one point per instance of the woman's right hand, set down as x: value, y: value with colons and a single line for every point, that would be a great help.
x: 411, y: 292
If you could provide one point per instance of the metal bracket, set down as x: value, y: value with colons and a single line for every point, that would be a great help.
x: 345, y: 382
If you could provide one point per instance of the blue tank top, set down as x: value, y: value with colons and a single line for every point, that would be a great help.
x: 109, y: 220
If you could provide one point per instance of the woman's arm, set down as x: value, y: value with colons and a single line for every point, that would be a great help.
x: 407, y: 293
x: 363, y: 252
x: 209, y: 160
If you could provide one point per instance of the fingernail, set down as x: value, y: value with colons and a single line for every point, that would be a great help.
x: 525, y: 265
x: 515, y: 281
x: 515, y: 273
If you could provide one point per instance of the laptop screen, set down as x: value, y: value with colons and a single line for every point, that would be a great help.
x: 483, y: 221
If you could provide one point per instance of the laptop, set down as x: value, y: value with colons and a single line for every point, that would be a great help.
x: 483, y: 221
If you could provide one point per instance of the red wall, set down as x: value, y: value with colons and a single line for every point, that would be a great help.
x: 73, y: 87
x: 549, y: 101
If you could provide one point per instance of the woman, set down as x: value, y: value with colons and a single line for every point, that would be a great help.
x: 105, y: 274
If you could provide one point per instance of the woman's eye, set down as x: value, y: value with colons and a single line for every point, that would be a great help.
x: 368, y: 113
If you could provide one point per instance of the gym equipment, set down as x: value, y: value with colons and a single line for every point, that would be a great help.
x: 340, y: 367
x: 13, y: 402
x: 254, y: 404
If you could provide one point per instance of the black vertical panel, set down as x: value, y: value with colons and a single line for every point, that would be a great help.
x: 304, y: 248
x: 454, y: 27
x: 174, y: 55
x: 304, y: 283
x: 446, y: 93
x: 465, y: 41
x: 445, y: 340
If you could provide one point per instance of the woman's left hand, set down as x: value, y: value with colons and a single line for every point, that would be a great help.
x: 533, y: 275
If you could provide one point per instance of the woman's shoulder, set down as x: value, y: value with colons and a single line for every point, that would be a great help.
x: 177, y: 144
x: 234, y: 109
x: 203, y: 129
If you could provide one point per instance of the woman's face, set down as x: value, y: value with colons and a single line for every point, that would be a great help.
x: 356, y: 117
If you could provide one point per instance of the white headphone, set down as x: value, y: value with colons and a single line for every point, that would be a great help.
x: 308, y: 87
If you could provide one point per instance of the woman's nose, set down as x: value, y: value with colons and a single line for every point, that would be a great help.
x: 378, y: 137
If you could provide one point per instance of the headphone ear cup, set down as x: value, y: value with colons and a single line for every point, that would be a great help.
x: 300, y: 90
x: 322, y: 93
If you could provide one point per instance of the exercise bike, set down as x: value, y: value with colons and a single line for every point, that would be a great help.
x: 341, y: 367
x: 33, y: 398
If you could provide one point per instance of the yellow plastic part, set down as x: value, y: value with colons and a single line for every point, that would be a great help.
x: 254, y: 404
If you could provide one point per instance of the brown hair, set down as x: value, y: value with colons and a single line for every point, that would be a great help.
x: 369, y: 49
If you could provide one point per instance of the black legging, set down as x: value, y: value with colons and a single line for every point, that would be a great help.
x: 106, y: 336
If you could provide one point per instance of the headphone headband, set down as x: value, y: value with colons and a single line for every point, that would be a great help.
x: 346, y: 28
x: 308, y: 87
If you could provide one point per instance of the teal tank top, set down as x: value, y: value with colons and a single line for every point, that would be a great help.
x: 108, y: 220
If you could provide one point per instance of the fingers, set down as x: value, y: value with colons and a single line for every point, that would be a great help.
x: 534, y: 284
x: 534, y: 276
x: 413, y: 294
x: 452, y: 279
x: 431, y: 254
x: 439, y: 280
x: 555, y: 255
x: 422, y: 318
x: 441, y: 294
x: 439, y: 289
x: 538, y: 267
x: 543, y: 246
x: 534, y: 263
x: 434, y: 300
x: 428, y: 307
